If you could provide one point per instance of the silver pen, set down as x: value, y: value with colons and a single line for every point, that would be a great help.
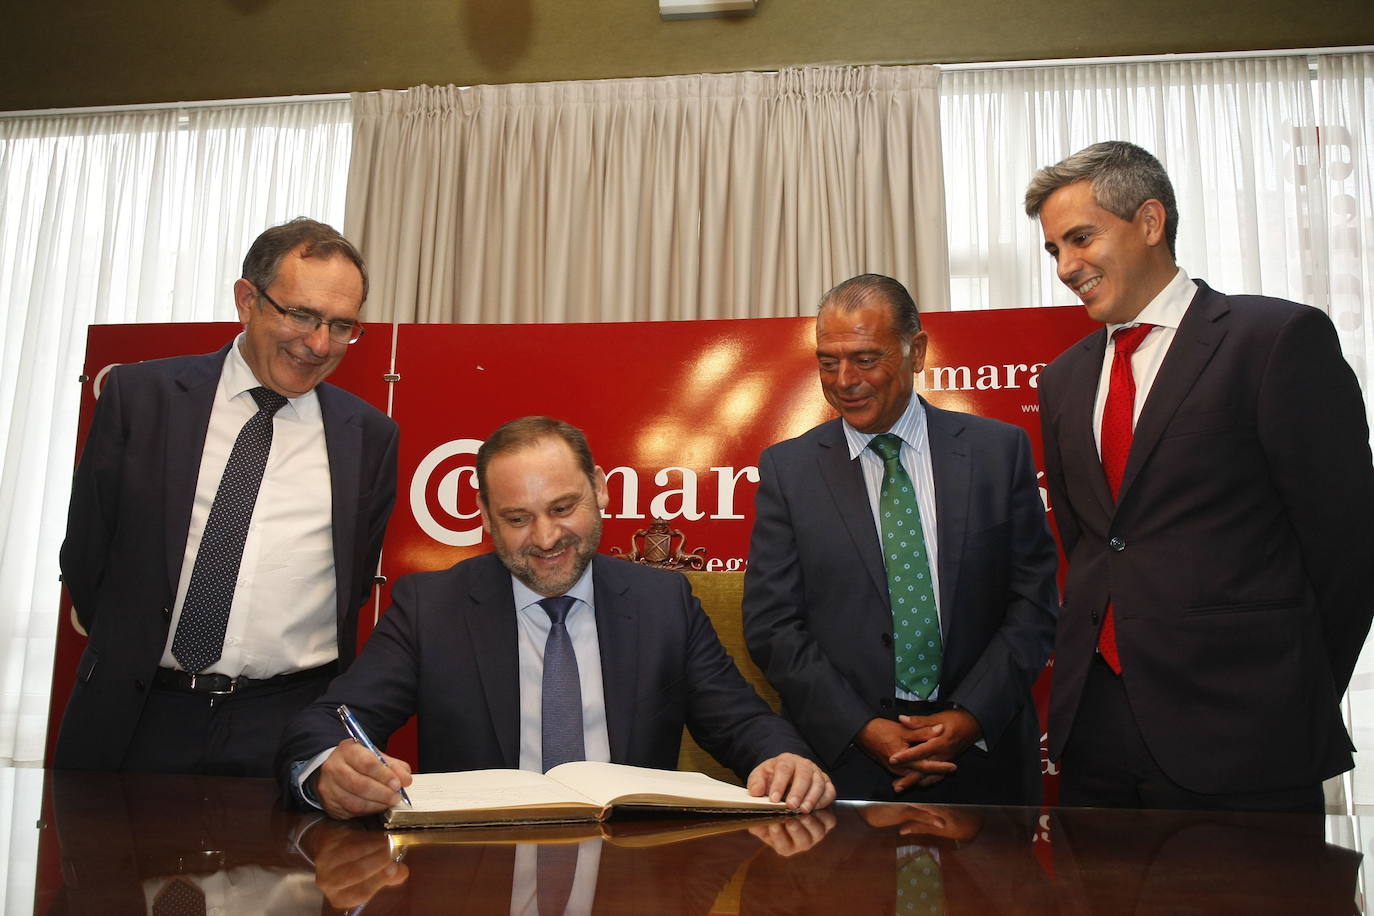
x: 360, y: 736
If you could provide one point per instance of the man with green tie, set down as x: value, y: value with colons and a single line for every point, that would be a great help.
x: 900, y: 594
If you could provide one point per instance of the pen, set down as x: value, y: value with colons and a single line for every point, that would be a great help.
x: 361, y: 737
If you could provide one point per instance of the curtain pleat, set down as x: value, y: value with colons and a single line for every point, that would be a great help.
x: 710, y: 196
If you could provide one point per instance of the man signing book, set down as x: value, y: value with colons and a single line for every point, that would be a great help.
x: 540, y: 654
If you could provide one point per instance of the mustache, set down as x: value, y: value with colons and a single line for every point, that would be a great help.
x: 564, y: 543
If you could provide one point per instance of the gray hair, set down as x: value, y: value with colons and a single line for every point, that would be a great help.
x: 1123, y: 177
x: 856, y: 292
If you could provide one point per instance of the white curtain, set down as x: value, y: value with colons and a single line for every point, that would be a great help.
x: 711, y: 196
x: 1233, y: 135
x: 108, y: 218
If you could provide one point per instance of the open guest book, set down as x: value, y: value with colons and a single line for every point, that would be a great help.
x: 580, y: 791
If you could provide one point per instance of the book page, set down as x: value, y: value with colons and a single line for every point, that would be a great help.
x: 616, y: 783
x: 479, y: 790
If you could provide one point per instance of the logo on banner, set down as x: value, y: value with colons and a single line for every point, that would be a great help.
x: 445, y: 482
x: 435, y: 490
x: 980, y: 378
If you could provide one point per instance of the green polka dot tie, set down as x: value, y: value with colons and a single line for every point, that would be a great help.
x: 915, y: 620
x: 920, y: 886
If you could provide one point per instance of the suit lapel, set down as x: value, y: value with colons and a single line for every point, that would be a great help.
x: 845, y: 482
x: 617, y: 635
x: 492, y: 627
x: 343, y: 441
x: 188, y: 420
x: 1078, y: 434
x: 1199, y: 334
x: 951, y: 468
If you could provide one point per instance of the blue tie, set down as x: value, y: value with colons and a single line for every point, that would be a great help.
x: 199, y: 639
x: 561, y: 715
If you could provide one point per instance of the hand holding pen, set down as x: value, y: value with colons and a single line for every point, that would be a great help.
x: 360, y: 736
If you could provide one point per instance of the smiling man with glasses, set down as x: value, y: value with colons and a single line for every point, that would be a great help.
x: 225, y: 524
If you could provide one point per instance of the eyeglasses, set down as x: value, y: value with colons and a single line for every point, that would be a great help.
x: 340, y: 330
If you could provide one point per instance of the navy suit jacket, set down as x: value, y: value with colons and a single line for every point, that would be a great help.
x: 1238, y: 553
x: 131, y: 510
x: 816, y: 611
x: 446, y: 651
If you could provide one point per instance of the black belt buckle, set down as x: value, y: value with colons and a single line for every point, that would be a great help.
x: 204, y: 683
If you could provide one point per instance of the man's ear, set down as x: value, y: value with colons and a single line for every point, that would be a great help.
x: 245, y: 296
x: 1152, y: 217
x: 482, y: 508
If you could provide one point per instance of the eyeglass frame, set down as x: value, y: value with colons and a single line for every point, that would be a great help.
x: 295, y: 314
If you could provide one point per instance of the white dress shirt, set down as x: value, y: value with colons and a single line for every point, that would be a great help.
x: 284, y: 615
x: 524, y: 894
x: 532, y: 632
x: 915, y: 457
x: 1165, y: 311
x: 533, y: 626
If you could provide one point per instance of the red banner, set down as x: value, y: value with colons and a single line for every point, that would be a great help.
x: 676, y: 413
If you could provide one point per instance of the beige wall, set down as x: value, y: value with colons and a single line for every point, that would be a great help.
x: 97, y: 52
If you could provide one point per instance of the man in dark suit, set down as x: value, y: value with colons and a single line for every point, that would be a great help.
x: 540, y: 654
x: 826, y: 614
x: 1209, y: 472
x: 198, y: 658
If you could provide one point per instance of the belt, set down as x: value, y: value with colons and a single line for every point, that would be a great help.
x: 223, y: 684
x: 920, y: 707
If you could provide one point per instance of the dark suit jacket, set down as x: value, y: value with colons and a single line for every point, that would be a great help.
x: 127, y: 524
x: 855, y: 868
x: 116, y: 830
x: 1238, y: 554
x: 816, y: 611
x: 446, y: 651
x: 1219, y: 862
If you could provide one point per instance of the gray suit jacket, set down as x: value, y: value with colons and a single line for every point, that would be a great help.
x: 816, y: 611
x: 131, y: 510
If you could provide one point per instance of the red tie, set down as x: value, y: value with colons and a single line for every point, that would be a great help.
x: 1117, y: 432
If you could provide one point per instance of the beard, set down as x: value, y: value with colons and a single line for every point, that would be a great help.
x: 555, y: 582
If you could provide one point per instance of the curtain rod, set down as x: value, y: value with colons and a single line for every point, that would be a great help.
x: 173, y: 106
x: 1156, y: 58
x: 981, y: 65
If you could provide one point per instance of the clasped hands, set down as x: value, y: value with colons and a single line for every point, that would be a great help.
x: 352, y: 782
x: 919, y: 750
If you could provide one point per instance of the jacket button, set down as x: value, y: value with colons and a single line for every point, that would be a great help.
x: 885, y: 702
x: 1093, y: 615
x: 886, y: 639
x: 138, y: 684
x: 1118, y: 544
x: 166, y: 613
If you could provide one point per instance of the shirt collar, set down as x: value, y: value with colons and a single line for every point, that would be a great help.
x: 237, y: 378
x: 910, y: 428
x: 1166, y: 309
x: 582, y: 590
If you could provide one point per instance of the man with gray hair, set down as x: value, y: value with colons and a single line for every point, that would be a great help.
x: 225, y: 523
x: 900, y: 594
x: 1209, y: 473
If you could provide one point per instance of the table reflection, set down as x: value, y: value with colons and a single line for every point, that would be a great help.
x: 135, y: 843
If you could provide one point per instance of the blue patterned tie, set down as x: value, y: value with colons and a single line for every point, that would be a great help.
x: 561, y: 715
x: 199, y: 640
x: 915, y: 621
